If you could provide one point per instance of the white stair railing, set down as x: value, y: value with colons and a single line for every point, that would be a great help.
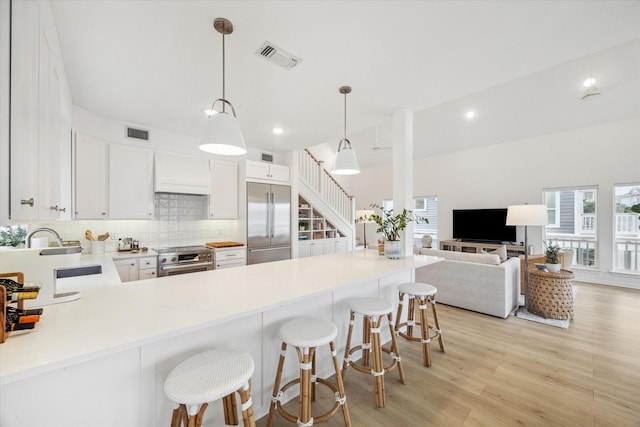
x: 312, y: 171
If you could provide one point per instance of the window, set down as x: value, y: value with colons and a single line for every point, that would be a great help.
x: 553, y: 204
x: 426, y: 207
x: 572, y: 222
x: 627, y: 228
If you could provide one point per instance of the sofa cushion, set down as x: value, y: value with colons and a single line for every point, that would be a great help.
x: 490, y: 259
x: 501, y: 252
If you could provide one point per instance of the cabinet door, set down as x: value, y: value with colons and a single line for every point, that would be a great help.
x: 304, y: 249
x: 223, y: 203
x: 279, y: 173
x: 257, y: 170
x: 127, y: 269
x: 130, y: 182
x: 329, y: 246
x: 48, y: 128
x: 90, y: 177
x: 24, y: 107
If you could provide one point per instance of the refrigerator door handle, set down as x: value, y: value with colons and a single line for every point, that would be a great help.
x: 268, y: 223
x: 272, y: 204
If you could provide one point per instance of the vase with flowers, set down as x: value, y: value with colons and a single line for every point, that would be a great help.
x: 391, y: 225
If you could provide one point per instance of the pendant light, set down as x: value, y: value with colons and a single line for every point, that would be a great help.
x: 345, y: 162
x: 223, y: 135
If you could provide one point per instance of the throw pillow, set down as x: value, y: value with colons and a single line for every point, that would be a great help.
x: 501, y: 252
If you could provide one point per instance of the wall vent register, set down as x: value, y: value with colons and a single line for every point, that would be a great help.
x: 137, y: 133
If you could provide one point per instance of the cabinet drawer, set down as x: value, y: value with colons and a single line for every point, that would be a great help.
x: 230, y: 254
x: 148, y: 273
x: 151, y: 262
x: 228, y: 264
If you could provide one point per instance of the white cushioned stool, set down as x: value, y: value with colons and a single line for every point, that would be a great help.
x: 373, y: 311
x: 424, y: 293
x: 306, y: 334
x: 206, y: 377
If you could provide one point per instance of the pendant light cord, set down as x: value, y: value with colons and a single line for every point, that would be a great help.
x: 345, y: 116
x: 223, y: 74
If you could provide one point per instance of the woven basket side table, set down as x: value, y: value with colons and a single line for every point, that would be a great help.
x: 550, y: 294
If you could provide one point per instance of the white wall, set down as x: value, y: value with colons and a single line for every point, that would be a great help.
x: 517, y: 172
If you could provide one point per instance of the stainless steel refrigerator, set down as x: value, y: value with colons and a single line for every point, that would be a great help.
x: 268, y: 222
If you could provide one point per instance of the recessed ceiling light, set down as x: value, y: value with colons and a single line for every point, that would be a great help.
x: 470, y: 114
x: 210, y: 112
x: 589, y: 82
x: 277, y: 131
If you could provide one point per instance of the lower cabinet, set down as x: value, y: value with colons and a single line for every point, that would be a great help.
x: 229, y: 257
x: 321, y: 247
x: 137, y: 268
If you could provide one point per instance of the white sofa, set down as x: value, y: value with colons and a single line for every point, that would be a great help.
x: 478, y: 282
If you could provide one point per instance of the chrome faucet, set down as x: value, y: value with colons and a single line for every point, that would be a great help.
x: 49, y: 230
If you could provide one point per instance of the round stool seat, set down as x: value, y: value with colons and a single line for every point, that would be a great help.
x: 370, y: 306
x: 208, y: 376
x: 417, y: 289
x: 308, y: 332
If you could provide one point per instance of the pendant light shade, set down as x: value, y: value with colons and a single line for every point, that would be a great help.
x: 223, y: 135
x: 345, y: 162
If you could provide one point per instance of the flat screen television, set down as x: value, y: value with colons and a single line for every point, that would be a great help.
x: 482, y: 225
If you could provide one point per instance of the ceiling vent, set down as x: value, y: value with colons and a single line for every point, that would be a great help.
x: 278, y: 56
x: 136, y: 134
x: 267, y: 157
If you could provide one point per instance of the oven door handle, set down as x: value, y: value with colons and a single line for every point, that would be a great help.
x: 186, y: 267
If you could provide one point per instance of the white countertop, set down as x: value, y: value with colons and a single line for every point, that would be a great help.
x: 112, y: 316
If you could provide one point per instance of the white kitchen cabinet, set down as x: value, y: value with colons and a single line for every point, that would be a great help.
x: 177, y: 173
x: 130, y: 182
x: 148, y: 268
x: 229, y: 257
x: 310, y: 248
x: 38, y: 97
x: 90, y: 177
x: 130, y: 269
x: 267, y: 171
x: 223, y: 203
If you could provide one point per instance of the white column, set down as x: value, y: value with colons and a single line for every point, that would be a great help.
x: 403, y: 171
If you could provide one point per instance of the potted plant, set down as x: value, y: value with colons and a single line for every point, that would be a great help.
x: 12, y: 236
x: 552, y: 255
x: 390, y: 226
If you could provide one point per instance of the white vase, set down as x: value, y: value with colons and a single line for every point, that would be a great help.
x: 553, y: 268
x: 393, y: 249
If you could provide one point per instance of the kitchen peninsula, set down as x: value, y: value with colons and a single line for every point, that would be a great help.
x: 104, y: 357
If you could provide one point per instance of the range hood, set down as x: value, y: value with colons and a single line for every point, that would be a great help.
x: 177, y: 173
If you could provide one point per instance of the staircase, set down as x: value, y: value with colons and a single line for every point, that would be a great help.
x: 326, y: 195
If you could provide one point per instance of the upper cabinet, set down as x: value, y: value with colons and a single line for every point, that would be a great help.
x: 39, y: 129
x: 178, y: 173
x: 223, y: 203
x: 90, y: 177
x: 267, y: 171
x: 130, y: 182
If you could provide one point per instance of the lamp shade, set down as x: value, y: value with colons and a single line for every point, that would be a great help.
x: 527, y: 215
x: 223, y: 136
x: 345, y: 162
x: 363, y: 215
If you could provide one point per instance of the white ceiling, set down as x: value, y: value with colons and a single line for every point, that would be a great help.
x: 519, y: 64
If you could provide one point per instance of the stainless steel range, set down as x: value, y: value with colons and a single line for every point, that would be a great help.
x: 184, y: 259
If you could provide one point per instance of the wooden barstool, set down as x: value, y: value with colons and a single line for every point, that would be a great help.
x: 306, y: 334
x: 206, y: 377
x: 373, y: 311
x: 424, y: 293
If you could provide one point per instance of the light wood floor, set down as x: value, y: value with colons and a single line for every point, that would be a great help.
x: 513, y: 372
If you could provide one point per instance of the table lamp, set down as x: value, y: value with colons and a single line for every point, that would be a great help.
x: 527, y: 215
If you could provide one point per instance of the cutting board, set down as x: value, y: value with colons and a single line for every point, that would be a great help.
x: 223, y: 244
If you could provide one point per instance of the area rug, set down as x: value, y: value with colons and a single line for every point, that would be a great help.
x: 523, y: 313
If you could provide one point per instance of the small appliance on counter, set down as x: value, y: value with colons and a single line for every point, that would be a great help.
x: 128, y: 244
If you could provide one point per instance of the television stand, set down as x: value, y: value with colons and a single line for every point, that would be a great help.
x: 476, y: 247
